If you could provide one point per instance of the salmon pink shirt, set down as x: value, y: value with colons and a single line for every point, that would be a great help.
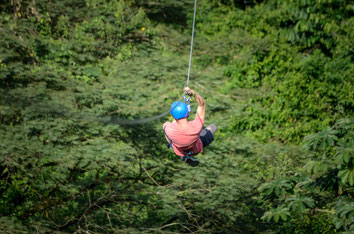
x: 185, y: 138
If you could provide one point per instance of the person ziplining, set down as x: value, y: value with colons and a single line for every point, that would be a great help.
x: 188, y: 138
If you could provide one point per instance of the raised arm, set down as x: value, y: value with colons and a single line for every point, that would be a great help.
x: 199, y: 99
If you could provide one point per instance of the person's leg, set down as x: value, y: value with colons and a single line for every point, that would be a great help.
x: 212, y: 128
x: 207, y: 134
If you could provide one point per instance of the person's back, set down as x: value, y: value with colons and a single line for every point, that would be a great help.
x: 188, y: 138
x: 185, y: 138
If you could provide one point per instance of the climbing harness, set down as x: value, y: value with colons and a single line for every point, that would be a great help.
x: 120, y: 121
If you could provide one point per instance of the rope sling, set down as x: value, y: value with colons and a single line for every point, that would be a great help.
x: 184, y: 98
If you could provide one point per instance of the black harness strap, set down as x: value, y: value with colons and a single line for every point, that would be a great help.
x: 169, y: 145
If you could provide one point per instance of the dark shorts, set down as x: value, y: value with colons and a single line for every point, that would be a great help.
x: 206, y: 137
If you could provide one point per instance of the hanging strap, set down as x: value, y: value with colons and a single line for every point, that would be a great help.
x: 169, y: 145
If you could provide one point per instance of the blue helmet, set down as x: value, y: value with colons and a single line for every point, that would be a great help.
x: 180, y: 111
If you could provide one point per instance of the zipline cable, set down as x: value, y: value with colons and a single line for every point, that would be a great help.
x: 191, y: 50
x: 115, y: 120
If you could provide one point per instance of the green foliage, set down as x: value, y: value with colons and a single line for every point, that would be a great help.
x: 278, y: 187
x: 299, y: 202
x: 277, y: 213
x: 304, y: 80
x: 331, y: 185
x: 322, y: 140
x: 312, y: 22
x: 275, y: 71
x: 345, y: 215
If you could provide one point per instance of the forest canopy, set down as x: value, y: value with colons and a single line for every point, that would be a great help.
x: 277, y: 77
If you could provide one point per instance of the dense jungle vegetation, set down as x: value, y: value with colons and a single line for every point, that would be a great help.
x: 277, y: 77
